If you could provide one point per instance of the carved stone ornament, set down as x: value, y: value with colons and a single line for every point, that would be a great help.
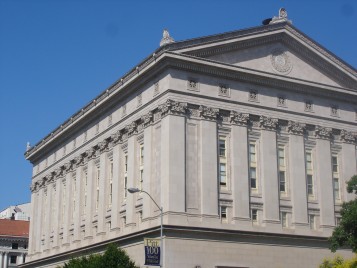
x: 68, y: 166
x: 90, y: 153
x: 208, y: 112
x: 116, y: 137
x: 147, y: 119
x: 166, y: 38
x: 103, y: 145
x: 323, y: 132
x: 347, y: 136
x: 131, y: 128
x: 78, y: 160
x: 283, y: 17
x: 280, y: 61
x: 33, y: 188
x: 239, y: 118
x: 268, y: 123
x: 173, y: 107
x: 296, y: 128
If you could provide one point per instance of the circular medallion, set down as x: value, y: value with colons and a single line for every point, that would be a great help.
x: 280, y: 61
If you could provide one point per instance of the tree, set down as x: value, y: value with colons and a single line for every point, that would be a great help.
x: 113, y: 257
x: 346, y: 233
x: 339, y: 262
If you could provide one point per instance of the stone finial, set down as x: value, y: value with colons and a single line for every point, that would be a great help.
x: 28, y: 146
x: 166, y: 38
x: 283, y: 17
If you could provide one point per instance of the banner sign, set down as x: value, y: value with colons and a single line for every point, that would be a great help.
x: 152, y: 251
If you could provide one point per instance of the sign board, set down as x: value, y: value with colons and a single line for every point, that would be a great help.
x: 152, y: 251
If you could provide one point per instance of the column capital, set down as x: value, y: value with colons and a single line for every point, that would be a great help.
x: 208, y: 112
x: 296, y: 128
x: 347, y: 136
x: 239, y: 118
x: 268, y: 123
x: 323, y: 132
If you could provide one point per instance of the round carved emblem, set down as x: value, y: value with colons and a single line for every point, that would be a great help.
x: 280, y: 61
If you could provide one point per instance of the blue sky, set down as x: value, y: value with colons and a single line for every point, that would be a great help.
x: 57, y: 55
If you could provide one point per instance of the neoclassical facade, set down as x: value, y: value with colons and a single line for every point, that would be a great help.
x: 246, y: 140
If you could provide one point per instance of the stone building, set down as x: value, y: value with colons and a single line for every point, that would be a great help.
x: 14, y: 237
x: 17, y: 212
x: 245, y: 138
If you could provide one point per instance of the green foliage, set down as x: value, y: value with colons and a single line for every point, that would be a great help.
x: 339, y: 262
x: 346, y: 233
x: 113, y: 257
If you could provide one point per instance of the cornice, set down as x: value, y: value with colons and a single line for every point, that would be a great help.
x: 152, y: 59
x: 176, y: 108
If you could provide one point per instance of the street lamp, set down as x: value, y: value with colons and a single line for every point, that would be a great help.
x: 136, y: 190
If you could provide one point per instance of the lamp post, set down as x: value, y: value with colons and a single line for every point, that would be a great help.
x: 136, y: 190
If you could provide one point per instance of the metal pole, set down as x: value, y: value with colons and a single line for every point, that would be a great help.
x: 162, y: 241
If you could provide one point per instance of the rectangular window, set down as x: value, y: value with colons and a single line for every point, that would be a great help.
x: 14, y: 245
x: 223, y: 213
x: 282, y: 170
x: 85, y: 186
x: 222, y: 143
x: 284, y: 219
x: 13, y: 260
x: 309, y: 174
x: 110, y: 186
x: 253, y: 178
x: 312, y: 222
x: 336, y: 176
x: 254, y: 215
x: 141, y: 167
x: 97, y: 189
x: 125, y: 175
x: 253, y: 166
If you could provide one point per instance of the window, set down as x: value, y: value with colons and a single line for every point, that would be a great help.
x: 336, y: 181
x: 141, y: 167
x: 110, y: 186
x: 254, y: 215
x: 13, y: 259
x: 63, y: 203
x: 282, y: 170
x: 222, y: 144
x: 284, y: 219
x: 338, y: 221
x: 85, y: 186
x: 97, y: 189
x: 309, y: 174
x: 312, y: 222
x: 14, y: 245
x: 223, y: 213
x: 253, y: 166
x: 125, y: 175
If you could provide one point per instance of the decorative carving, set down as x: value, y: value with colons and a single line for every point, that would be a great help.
x: 283, y: 17
x: 173, y: 107
x: 268, y: 123
x: 110, y: 120
x: 347, y: 136
x: 282, y: 101
x: 334, y: 110
x: 90, y: 152
x: 296, y: 128
x: 208, y: 112
x: 223, y: 90
x: 166, y: 38
x: 309, y: 106
x: 68, y: 166
x: 147, y: 119
x: 131, y: 128
x: 123, y: 110
x: 103, y: 145
x: 239, y: 118
x: 192, y: 85
x: 156, y: 88
x: 139, y: 99
x: 323, y: 132
x: 281, y: 61
x: 253, y: 95
x: 116, y: 137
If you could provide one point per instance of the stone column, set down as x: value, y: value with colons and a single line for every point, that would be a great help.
x: 348, y: 168
x: 57, y: 208
x: 324, y: 178
x: 6, y: 260
x: 209, y: 161
x: 68, y: 206
x: 297, y: 174
x: 1, y: 259
x: 90, y: 191
x: 148, y: 144
x: 117, y: 190
x: 38, y: 220
x: 79, y: 186
x: 173, y: 156
x: 32, y: 235
x: 131, y: 179
x: 47, y: 221
x: 269, y: 171
x: 240, y: 166
x: 103, y: 189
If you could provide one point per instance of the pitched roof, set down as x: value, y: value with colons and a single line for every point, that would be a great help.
x: 14, y: 228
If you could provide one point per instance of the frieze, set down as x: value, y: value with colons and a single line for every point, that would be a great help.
x: 296, y: 128
x: 347, y: 136
x: 239, y: 118
x: 268, y: 123
x: 208, y: 112
x: 323, y: 132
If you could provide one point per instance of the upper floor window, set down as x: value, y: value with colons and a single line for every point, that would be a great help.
x: 222, y: 143
x: 141, y: 167
x: 282, y: 170
x: 309, y: 173
x: 336, y: 177
x: 110, y: 186
x: 253, y: 166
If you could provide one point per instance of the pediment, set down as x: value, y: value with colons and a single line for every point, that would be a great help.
x: 279, y: 49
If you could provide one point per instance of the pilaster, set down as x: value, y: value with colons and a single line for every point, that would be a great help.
x: 90, y: 199
x: 68, y: 208
x: 32, y: 234
x: 38, y: 221
x: 103, y: 192
x: 117, y: 190
x: 57, y: 205
x: 131, y: 179
x: 148, y: 151
x: 48, y: 220
x: 77, y: 209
